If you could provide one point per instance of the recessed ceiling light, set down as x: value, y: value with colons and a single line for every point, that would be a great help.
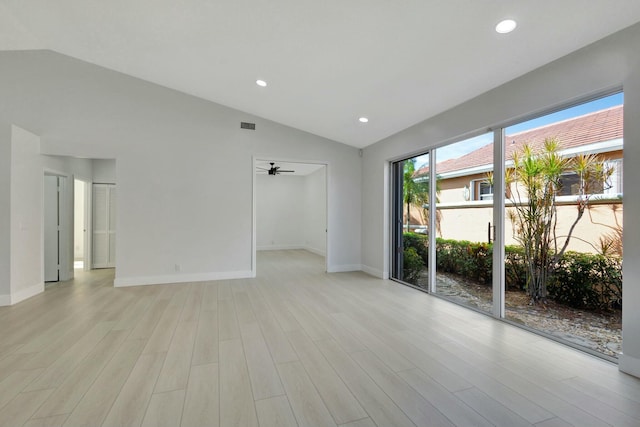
x: 261, y: 83
x: 363, y: 120
x: 506, y: 26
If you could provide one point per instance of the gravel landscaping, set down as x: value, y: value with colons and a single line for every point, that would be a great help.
x: 601, y: 332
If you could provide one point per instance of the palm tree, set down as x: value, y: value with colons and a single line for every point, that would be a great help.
x: 410, y: 189
x: 535, y: 181
x: 415, y: 190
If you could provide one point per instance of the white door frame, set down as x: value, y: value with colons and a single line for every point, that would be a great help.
x: 266, y: 158
x: 65, y: 247
x: 88, y: 223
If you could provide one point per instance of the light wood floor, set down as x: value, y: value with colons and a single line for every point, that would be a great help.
x: 294, y: 347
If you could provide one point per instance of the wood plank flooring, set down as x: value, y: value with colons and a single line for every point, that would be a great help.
x: 293, y: 347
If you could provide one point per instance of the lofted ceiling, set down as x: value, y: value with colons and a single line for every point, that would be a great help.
x: 326, y: 63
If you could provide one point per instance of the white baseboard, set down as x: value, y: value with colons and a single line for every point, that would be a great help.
x: 36, y: 289
x: 315, y: 251
x: 22, y: 295
x: 291, y: 247
x: 279, y: 247
x: 181, y: 278
x: 374, y: 272
x: 629, y: 365
x: 344, y: 268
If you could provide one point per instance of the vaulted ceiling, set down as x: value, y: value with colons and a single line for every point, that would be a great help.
x: 326, y: 63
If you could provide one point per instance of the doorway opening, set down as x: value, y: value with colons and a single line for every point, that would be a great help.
x: 80, y: 225
x: 290, y: 208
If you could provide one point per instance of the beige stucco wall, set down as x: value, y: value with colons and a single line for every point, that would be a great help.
x: 452, y: 189
x: 469, y: 219
x: 470, y: 223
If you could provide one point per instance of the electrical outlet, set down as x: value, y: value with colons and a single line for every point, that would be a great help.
x: 178, y: 267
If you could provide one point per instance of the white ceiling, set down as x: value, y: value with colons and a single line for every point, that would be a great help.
x: 326, y: 62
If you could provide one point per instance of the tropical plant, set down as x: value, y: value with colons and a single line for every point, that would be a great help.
x: 611, y: 242
x: 415, y: 191
x: 533, y: 182
x: 412, y: 192
x: 412, y: 266
x: 419, y: 242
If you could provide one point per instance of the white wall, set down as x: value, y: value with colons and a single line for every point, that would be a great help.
x: 280, y: 212
x: 5, y: 214
x: 71, y: 166
x: 315, y: 215
x: 610, y: 63
x: 104, y: 171
x: 184, y: 166
x: 21, y: 210
x: 26, y: 215
x: 291, y: 212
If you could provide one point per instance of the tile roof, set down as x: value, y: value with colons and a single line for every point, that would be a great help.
x: 599, y: 126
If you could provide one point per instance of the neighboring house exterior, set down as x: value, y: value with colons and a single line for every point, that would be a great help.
x: 465, y: 197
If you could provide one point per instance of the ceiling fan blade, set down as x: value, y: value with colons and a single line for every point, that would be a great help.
x: 282, y: 170
x: 262, y: 169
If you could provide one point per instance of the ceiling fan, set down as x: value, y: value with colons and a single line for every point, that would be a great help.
x: 274, y: 170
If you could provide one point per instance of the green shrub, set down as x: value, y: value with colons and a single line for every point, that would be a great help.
x: 515, y: 271
x: 420, y: 242
x: 579, y: 280
x: 587, y: 281
x: 412, y: 266
x: 469, y: 259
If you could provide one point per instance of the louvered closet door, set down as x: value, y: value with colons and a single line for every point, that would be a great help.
x: 104, y: 225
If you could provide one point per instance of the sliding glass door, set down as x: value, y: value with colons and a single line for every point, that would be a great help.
x: 527, y: 224
x: 410, y: 221
x: 563, y: 222
x: 464, y: 222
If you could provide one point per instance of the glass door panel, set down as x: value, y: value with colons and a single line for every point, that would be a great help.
x: 563, y: 225
x: 464, y: 222
x: 410, y: 221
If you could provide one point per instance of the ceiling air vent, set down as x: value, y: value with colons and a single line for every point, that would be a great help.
x: 246, y: 125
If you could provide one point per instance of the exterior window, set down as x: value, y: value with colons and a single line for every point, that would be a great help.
x: 614, y: 186
x: 486, y: 191
x: 482, y: 189
x: 570, y: 185
x: 570, y: 182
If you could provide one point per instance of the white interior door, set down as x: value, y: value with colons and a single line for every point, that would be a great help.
x: 104, y: 226
x: 51, y: 229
